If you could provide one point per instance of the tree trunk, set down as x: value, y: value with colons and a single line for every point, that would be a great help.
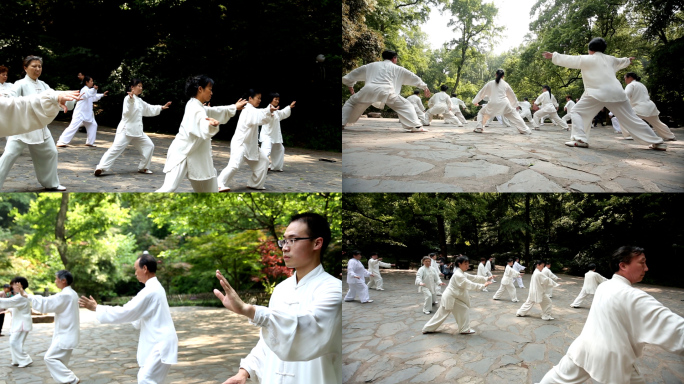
x: 60, y: 230
x: 442, y: 235
x: 527, y: 228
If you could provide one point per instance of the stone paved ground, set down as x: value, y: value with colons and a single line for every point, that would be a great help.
x: 380, y: 156
x: 304, y: 172
x: 383, y: 344
x: 211, y: 343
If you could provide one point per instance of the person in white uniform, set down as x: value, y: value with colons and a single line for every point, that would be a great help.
x: 548, y: 105
x: 645, y: 109
x: 5, y: 86
x: 616, y: 125
x: 568, y: 108
x: 149, y: 312
x: 435, y: 267
x: 417, y: 103
x: 427, y: 281
x: 456, y: 105
x: 591, y: 282
x: 39, y: 142
x: 621, y: 322
x: 456, y: 300
x: 356, y: 279
x: 440, y: 104
x: 538, y: 285
x: 190, y: 152
x: 67, y: 326
x: 509, y: 276
x: 29, y: 113
x: 244, y: 147
x: 482, y: 271
x: 374, y: 264
x: 301, y: 330
x: 518, y: 268
x: 271, y: 137
x: 83, y: 114
x: 502, y: 101
x: 547, y: 272
x: 489, y: 265
x: 602, y: 89
x: 524, y: 108
x: 383, y: 87
x: 130, y: 130
x: 22, y: 324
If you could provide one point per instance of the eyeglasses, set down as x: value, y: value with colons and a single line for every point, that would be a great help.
x: 290, y: 241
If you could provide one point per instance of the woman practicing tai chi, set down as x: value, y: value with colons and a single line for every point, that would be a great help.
x: 456, y: 300
x: 83, y: 114
x: 644, y: 108
x: 130, y: 130
x: 602, y: 89
x: 502, y: 101
x: 538, y: 285
x: 507, y: 282
x: 427, y: 280
x: 271, y: 138
x: 548, y: 107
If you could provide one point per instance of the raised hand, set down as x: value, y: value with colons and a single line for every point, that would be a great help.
x: 292, y: 104
x: 167, y: 105
x: 19, y: 289
x: 130, y: 94
x: 87, y: 303
x: 427, y: 92
x: 547, y: 55
x: 231, y: 300
x: 213, y: 122
x: 240, y: 104
x: 273, y: 109
x: 240, y: 378
x: 351, y: 89
x: 63, y: 97
x: 105, y: 93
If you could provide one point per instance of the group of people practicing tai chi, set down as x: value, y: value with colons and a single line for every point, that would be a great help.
x: 304, y: 310
x: 632, y: 105
x: 189, y: 155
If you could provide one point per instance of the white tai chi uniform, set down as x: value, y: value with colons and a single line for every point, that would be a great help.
x: 519, y: 268
x: 190, y: 152
x: 272, y: 139
x: 20, y: 308
x: 417, y: 103
x: 66, y: 335
x: 547, y: 272
x: 28, y: 113
x: 456, y: 301
x: 158, y: 343
x: 374, y: 268
x: 482, y: 271
x: 383, y: 86
x: 621, y: 322
x: 488, y: 266
x: 357, y: 285
x: 83, y: 115
x: 502, y: 101
x: 301, y: 332
x: 428, y: 277
x: 509, y: 276
x: 6, y: 89
x: 435, y: 268
x: 568, y: 109
x: 39, y: 141
x: 591, y: 282
x: 602, y: 89
x: 456, y: 105
x: 646, y: 109
x: 130, y: 131
x: 538, y: 285
x: 245, y: 149
x: 548, y: 106
x: 616, y: 125
x: 440, y: 103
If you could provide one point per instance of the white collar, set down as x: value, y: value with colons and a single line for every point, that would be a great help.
x: 309, y: 276
x: 621, y: 279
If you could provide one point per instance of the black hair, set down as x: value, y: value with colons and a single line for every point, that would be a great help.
x: 592, y: 266
x: 568, y: 97
x: 525, y: 98
x: 135, y: 81
x: 193, y: 83
x: 432, y: 254
x: 86, y: 79
x: 30, y: 58
x: 547, y: 262
x: 273, y: 95
x: 356, y: 252
x: 633, y: 76
x: 7, y: 286
x: 548, y: 89
x: 453, y: 95
x: 21, y: 280
x: 250, y: 93
x: 416, y: 92
x: 147, y: 260
x: 510, y: 260
x: 389, y: 55
x: 539, y: 262
x: 462, y: 259
x: 499, y: 74
x: 597, y: 44
x: 482, y: 259
x: 318, y: 227
x: 373, y: 253
x: 66, y: 275
x: 444, y: 87
x: 624, y: 255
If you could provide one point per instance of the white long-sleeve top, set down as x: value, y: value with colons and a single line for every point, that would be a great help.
x: 548, y: 104
x: 356, y: 269
x: 6, y: 89
x: 84, y: 108
x: 509, y: 275
x: 459, y: 285
x: 456, y: 102
x: 547, y: 272
x: 428, y: 277
x: 193, y: 141
x: 592, y: 281
x: 134, y: 109
x: 67, y: 321
x: 375, y: 264
x: 26, y: 87
x: 247, y: 130
x: 518, y: 267
x: 569, y: 105
x: 27, y: 113
x: 20, y: 308
x: 415, y: 100
x: 435, y: 268
x: 524, y: 105
x: 640, y: 100
x: 271, y: 129
x: 538, y: 286
x: 501, y: 97
x: 301, y: 332
x: 383, y: 78
x: 488, y: 265
x: 621, y: 321
x: 598, y: 74
x: 440, y: 102
x: 149, y: 312
x: 482, y: 270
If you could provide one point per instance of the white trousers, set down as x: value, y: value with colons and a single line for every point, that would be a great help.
x: 459, y: 115
x: 153, y: 370
x: 70, y: 131
x: 449, y: 117
x: 353, y: 109
x: 44, y: 158
x: 359, y: 288
x: 552, y: 115
x: 566, y: 118
x: 143, y: 144
x: 56, y: 360
x: 460, y: 312
x: 512, y: 116
x: 549, y: 292
x: 19, y: 356
x: 526, y: 114
x: 520, y: 282
x: 178, y: 173
x: 660, y: 128
x: 421, y: 115
x: 567, y: 372
x: 578, y: 301
x: 508, y: 287
x: 375, y: 282
x: 277, y: 153
x: 259, y: 169
x: 585, y: 110
x: 428, y: 299
x: 546, y: 306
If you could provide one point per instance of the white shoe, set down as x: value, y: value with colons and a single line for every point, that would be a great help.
x: 426, y: 312
x: 519, y: 315
x: 468, y: 332
x: 515, y: 301
x: 485, y: 290
x: 57, y: 188
x: 478, y: 130
x: 547, y: 318
x: 369, y: 301
x: 418, y: 129
x: 379, y: 289
x: 574, y: 306
x: 580, y: 144
x: 658, y: 147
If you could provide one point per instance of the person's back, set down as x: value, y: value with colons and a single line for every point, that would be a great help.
x: 598, y: 74
x: 65, y: 315
x: 640, y: 100
x: 415, y: 100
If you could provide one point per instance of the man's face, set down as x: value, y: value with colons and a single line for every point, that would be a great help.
x: 426, y: 263
x: 301, y: 252
x: 140, y: 272
x: 275, y: 101
x: 540, y: 266
x: 635, y: 270
x: 60, y: 283
x: 395, y: 59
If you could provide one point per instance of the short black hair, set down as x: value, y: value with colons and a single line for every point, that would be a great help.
x: 592, y: 266
x: 86, y: 79
x: 416, y: 92
x: 193, y: 83
x: 444, y: 87
x: 510, y: 260
x: 318, y: 227
x: 273, y: 95
x: 147, y: 260
x: 373, y: 253
x: 7, y: 286
x: 482, y: 259
x: 462, y: 259
x: 135, y: 81
x: 453, y: 95
x: 66, y: 275
x: 625, y: 255
x: 633, y: 76
x: 539, y: 262
x: 389, y: 55
x: 432, y: 254
x: 525, y: 98
x: 251, y: 93
x: 22, y: 280
x: 597, y: 44
x: 356, y: 252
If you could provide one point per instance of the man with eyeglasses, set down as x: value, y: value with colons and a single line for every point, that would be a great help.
x: 301, y: 330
